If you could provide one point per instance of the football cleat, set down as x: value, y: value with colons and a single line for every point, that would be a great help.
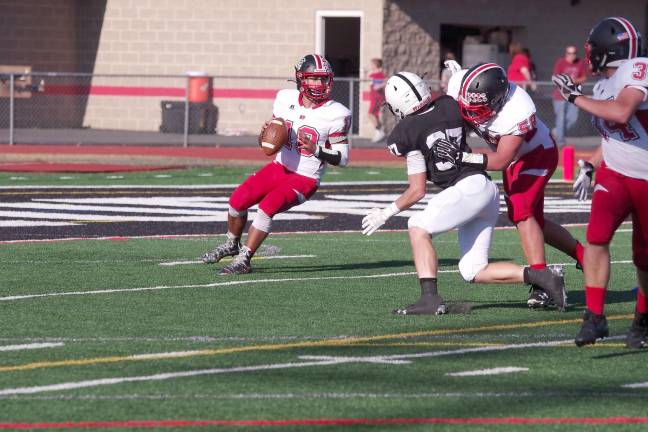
x: 230, y: 248
x: 428, y: 304
x: 637, y: 336
x: 240, y: 264
x: 538, y: 299
x: 552, y: 281
x: 594, y: 327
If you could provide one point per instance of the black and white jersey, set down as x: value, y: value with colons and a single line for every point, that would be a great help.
x: 418, y: 134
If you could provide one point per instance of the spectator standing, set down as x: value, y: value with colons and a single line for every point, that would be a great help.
x: 566, y: 113
x: 376, y: 97
x: 519, y: 71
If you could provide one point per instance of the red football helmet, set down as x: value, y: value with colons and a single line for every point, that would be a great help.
x: 314, y: 65
x: 483, y: 91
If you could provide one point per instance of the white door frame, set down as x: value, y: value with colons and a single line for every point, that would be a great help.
x: 320, y: 15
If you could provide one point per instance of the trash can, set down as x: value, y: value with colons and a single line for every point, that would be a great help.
x: 200, y: 87
x: 203, y: 117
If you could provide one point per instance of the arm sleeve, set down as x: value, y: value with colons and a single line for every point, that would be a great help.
x: 415, y: 162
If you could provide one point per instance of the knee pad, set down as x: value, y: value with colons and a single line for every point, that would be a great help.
x: 262, y: 221
x: 235, y: 213
x: 468, y: 268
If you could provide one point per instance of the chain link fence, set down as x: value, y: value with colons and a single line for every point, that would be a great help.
x: 179, y: 110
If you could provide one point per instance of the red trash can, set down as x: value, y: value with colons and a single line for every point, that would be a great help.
x: 199, y: 87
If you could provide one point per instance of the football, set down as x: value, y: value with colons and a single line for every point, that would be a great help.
x: 274, y: 136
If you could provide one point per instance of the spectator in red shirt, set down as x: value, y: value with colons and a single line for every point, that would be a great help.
x: 519, y: 71
x: 376, y: 97
x: 566, y: 113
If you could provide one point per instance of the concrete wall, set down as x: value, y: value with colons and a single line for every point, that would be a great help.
x: 221, y: 37
x: 412, y: 27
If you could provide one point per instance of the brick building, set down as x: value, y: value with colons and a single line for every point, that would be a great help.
x: 261, y: 41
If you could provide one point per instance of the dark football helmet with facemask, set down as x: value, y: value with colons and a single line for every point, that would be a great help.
x: 483, y: 91
x: 610, y: 42
x: 314, y: 65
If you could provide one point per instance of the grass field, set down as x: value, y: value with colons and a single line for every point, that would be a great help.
x: 138, y: 335
x: 116, y: 317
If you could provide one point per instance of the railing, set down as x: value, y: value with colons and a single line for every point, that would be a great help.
x: 78, y: 108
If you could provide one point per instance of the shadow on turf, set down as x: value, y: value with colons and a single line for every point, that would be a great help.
x: 363, y: 266
x: 577, y: 298
x: 626, y: 352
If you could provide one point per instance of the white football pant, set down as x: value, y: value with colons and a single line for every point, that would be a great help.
x: 472, y: 206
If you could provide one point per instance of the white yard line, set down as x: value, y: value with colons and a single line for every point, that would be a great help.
x: 31, y: 346
x: 317, y: 361
x: 228, y: 283
x: 329, y: 395
x: 636, y: 385
x: 493, y: 371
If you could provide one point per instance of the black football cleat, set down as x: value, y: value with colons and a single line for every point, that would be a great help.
x: 538, y: 299
x: 594, y: 327
x: 428, y: 304
x: 230, y: 248
x: 551, y: 280
x: 240, y: 264
x: 638, y: 332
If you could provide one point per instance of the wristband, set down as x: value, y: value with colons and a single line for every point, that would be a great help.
x: 327, y: 155
x: 391, y: 210
x: 477, y: 160
x: 572, y: 97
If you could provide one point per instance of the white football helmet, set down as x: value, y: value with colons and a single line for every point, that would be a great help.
x: 406, y: 93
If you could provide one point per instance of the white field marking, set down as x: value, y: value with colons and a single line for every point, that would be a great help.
x: 175, y: 263
x: 362, y: 359
x: 17, y: 178
x: 31, y: 346
x: 25, y: 223
x: 636, y: 385
x: 115, y: 177
x: 159, y: 377
x: 66, y: 178
x: 217, y: 186
x: 493, y: 371
x: 213, y: 217
x: 162, y: 176
x: 324, y: 361
x: 205, y: 175
x: 230, y: 283
x: 329, y: 395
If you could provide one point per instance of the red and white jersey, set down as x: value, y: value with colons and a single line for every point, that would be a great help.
x: 625, y: 146
x: 517, y: 117
x: 327, y: 123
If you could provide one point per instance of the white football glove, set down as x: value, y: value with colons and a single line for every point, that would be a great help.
x: 377, y: 218
x: 452, y: 65
x: 566, y: 87
x: 584, y: 180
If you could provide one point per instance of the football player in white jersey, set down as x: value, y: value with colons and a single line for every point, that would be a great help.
x: 504, y: 115
x: 428, y: 134
x: 619, y: 107
x: 317, y: 137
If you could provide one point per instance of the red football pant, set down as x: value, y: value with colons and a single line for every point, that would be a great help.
x: 525, y: 181
x: 274, y: 188
x: 615, y: 197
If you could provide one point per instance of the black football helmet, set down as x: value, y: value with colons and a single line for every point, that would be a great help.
x: 483, y: 91
x: 314, y: 65
x: 610, y: 42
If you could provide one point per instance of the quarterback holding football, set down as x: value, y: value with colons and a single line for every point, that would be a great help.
x: 317, y: 136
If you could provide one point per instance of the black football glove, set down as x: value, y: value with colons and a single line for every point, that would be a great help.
x: 566, y: 87
x: 447, y: 151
